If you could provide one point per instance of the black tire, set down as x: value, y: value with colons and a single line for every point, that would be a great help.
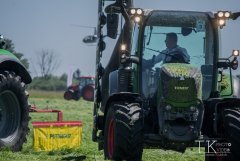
x: 231, y: 126
x: 14, y: 112
x: 232, y: 131
x: 67, y: 95
x: 123, y: 134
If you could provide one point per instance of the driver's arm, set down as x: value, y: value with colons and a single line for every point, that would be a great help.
x: 159, y: 58
x: 185, y: 54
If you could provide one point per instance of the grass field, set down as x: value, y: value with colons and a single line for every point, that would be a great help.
x: 88, y: 151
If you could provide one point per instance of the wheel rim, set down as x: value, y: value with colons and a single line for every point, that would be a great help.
x: 111, y: 138
x: 10, y: 116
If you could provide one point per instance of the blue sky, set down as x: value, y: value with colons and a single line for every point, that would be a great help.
x: 34, y: 25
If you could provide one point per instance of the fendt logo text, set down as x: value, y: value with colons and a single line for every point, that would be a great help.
x: 181, y: 88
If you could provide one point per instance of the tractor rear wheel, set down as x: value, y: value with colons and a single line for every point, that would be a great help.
x: 14, y: 112
x: 88, y: 93
x: 123, y: 135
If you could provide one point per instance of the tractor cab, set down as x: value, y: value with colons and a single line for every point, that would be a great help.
x: 194, y: 34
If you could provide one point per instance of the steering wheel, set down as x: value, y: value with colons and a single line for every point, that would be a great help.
x: 176, y: 57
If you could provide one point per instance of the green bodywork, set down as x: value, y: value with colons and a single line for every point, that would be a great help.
x: 225, y: 86
x: 180, y: 84
x: 5, y: 52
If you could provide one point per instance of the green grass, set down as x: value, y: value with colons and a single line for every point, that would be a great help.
x: 88, y: 151
x: 46, y: 94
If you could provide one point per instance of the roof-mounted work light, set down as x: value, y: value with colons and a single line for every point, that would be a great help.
x: 136, y: 14
x: 137, y: 19
x: 139, y: 11
x: 135, y: 11
x: 221, y: 22
x: 132, y: 11
x: 222, y: 16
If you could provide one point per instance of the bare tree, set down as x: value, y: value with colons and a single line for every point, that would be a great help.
x: 47, y: 62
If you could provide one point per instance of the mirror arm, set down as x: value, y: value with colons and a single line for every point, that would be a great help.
x: 125, y: 15
x: 235, y: 15
x: 224, y: 65
x: 129, y: 59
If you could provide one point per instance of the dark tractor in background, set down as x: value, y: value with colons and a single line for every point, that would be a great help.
x: 14, y: 108
x: 172, y: 105
x: 84, y: 89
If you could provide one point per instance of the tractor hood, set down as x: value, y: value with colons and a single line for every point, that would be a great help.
x: 180, y: 83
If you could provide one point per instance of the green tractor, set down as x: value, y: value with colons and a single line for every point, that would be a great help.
x: 171, y: 104
x: 14, y: 108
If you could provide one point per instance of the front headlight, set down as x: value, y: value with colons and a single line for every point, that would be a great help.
x: 193, y: 108
x: 168, y: 107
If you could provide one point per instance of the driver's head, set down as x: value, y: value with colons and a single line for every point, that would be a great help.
x: 171, y: 40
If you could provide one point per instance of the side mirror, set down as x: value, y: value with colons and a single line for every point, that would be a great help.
x: 90, y: 39
x: 112, y: 25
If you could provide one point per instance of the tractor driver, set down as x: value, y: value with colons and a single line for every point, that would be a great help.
x: 172, y: 54
x: 173, y: 51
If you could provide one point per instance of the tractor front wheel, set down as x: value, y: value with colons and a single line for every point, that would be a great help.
x: 123, y: 134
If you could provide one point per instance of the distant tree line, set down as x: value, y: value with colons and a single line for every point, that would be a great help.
x: 53, y: 83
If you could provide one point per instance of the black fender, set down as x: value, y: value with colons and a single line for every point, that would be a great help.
x: 9, y: 63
